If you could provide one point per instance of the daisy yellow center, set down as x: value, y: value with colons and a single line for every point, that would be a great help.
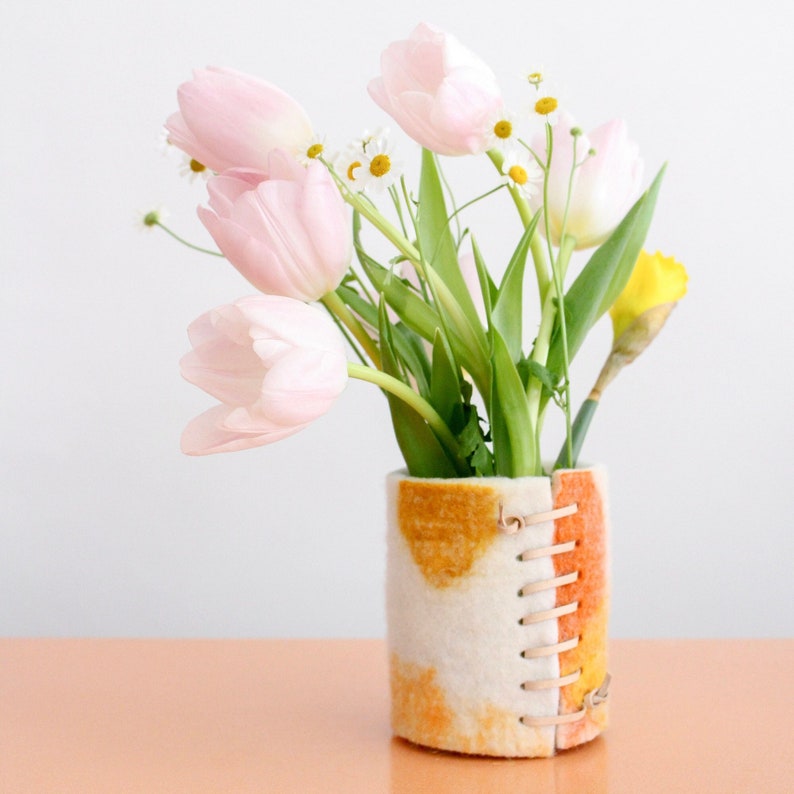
x: 518, y: 174
x: 196, y: 167
x: 503, y: 129
x: 315, y: 150
x: 352, y: 167
x: 380, y: 165
x: 546, y: 105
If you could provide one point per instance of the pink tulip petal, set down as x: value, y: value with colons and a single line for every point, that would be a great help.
x: 208, y: 434
x: 228, y: 119
x: 288, y: 234
x: 439, y: 92
x: 275, y: 364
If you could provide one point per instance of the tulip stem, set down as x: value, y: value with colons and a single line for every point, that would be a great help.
x: 411, y: 398
x: 337, y: 308
x: 442, y: 295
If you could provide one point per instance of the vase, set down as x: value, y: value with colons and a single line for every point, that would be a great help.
x: 497, y: 607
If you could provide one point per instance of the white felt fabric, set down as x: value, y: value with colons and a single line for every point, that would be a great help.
x: 470, y: 632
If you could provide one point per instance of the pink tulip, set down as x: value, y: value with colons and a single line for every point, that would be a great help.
x: 604, y: 186
x: 276, y: 364
x: 228, y: 119
x: 440, y: 93
x: 289, y: 234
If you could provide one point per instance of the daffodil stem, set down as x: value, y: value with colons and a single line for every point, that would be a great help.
x: 185, y: 242
x: 336, y: 306
x: 411, y: 398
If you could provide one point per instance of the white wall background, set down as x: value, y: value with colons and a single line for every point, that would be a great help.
x: 106, y: 529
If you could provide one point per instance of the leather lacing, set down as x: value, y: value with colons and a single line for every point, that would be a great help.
x: 511, y: 524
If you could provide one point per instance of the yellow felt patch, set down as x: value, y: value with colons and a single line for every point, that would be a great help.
x: 447, y: 526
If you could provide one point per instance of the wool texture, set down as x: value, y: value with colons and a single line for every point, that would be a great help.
x: 454, y: 614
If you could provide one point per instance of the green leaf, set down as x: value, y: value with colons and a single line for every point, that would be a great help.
x: 445, y: 394
x: 508, y: 311
x: 527, y: 368
x: 487, y: 287
x: 604, y: 276
x: 407, y: 345
x: 578, y: 432
x: 409, y: 306
x: 435, y: 237
x: 411, y: 348
x: 423, y: 453
x: 418, y: 315
x: 473, y: 447
x: 511, y: 423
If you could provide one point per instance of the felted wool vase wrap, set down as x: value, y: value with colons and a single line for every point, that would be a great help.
x: 497, y: 634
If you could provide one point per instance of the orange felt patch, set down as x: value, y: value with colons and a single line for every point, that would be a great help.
x: 419, y: 710
x: 588, y: 527
x: 447, y: 526
x: 422, y: 714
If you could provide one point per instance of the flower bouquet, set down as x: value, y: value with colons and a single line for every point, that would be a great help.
x: 482, y: 512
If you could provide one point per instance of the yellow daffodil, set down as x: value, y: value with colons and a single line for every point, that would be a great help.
x: 656, y: 280
x: 656, y: 284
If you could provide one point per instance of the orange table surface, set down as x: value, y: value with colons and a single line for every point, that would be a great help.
x: 305, y: 716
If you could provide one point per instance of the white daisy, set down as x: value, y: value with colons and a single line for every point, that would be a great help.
x: 378, y: 169
x: 521, y: 171
x: 348, y: 166
x: 501, y: 131
x: 311, y: 149
x: 546, y: 102
x: 378, y: 137
x: 193, y: 169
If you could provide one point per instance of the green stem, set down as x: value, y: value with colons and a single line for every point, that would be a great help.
x: 411, y: 398
x: 384, y: 226
x: 450, y: 196
x: 559, y: 267
x: 526, y: 215
x: 350, y: 340
x: 567, y: 245
x: 540, y: 350
x: 185, y: 242
x: 337, y: 307
x: 475, y: 200
x: 395, y: 197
